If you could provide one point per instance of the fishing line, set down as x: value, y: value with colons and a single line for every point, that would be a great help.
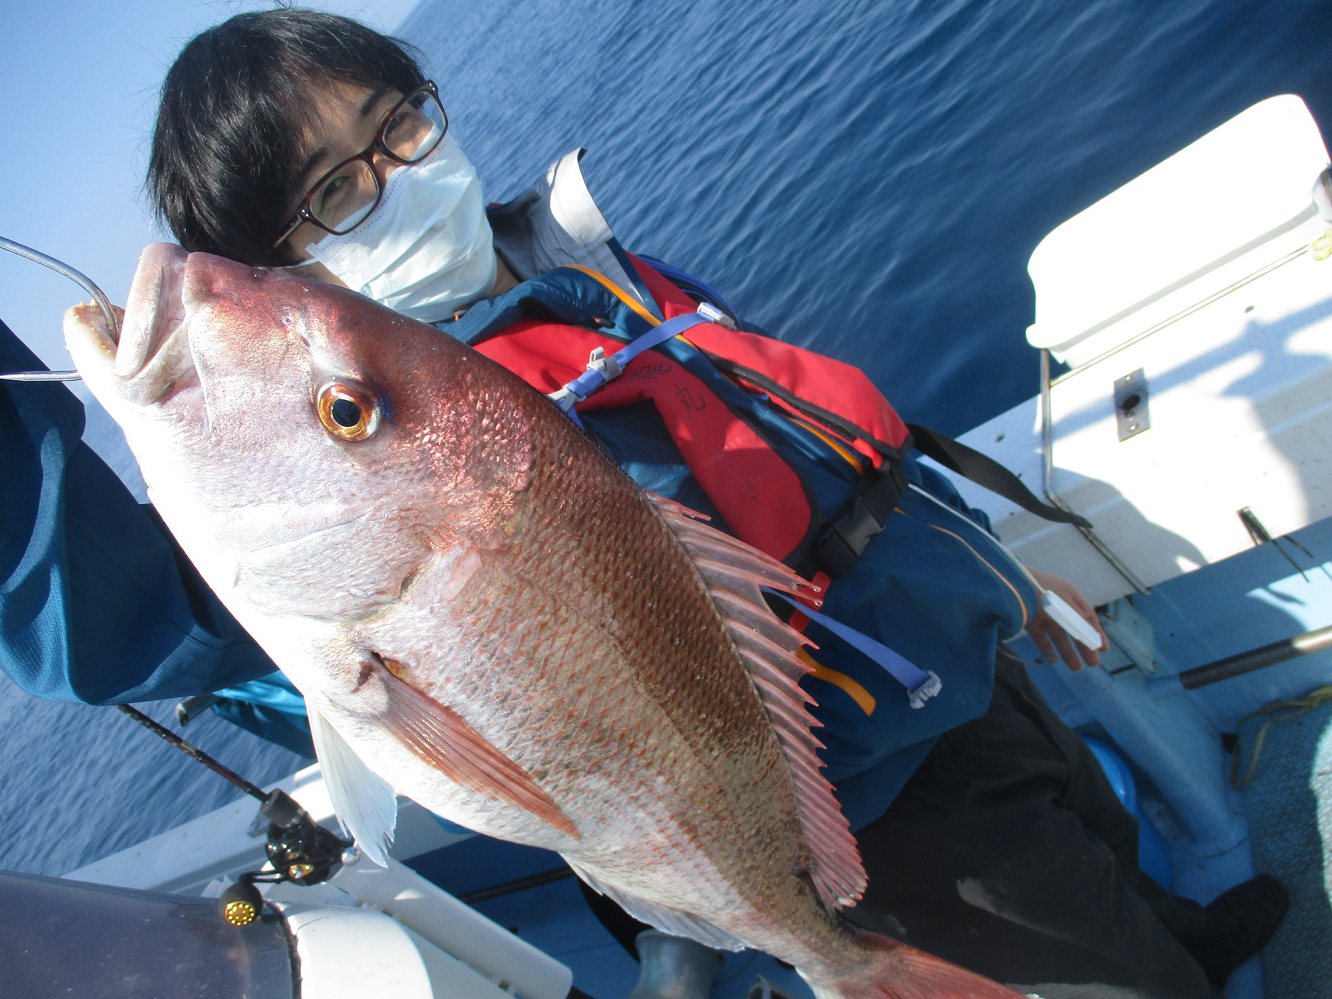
x: 83, y: 281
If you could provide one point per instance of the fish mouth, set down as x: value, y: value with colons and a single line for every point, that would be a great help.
x: 153, y: 355
x: 151, y: 358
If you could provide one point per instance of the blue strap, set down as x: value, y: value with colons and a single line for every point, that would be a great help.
x: 690, y: 284
x: 601, y: 369
x: 920, y: 684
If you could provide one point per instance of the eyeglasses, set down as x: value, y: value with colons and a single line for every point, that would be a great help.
x: 344, y: 197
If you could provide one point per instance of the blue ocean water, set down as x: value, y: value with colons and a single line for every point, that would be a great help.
x: 867, y: 179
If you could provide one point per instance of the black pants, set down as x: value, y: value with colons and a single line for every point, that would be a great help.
x: 1008, y: 853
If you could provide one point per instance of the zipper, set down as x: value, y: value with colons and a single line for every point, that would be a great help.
x: 1017, y: 563
x: 1026, y: 611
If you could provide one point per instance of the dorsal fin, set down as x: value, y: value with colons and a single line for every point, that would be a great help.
x: 442, y: 738
x: 733, y: 572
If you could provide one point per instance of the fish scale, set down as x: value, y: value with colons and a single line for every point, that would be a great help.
x: 709, y: 701
x: 485, y: 614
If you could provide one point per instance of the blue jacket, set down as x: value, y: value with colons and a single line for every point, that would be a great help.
x: 97, y: 603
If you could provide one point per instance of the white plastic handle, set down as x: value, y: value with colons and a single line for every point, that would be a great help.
x: 1070, y: 620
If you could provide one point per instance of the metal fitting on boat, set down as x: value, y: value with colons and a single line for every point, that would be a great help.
x: 673, y: 967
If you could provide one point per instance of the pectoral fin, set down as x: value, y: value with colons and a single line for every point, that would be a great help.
x: 442, y: 738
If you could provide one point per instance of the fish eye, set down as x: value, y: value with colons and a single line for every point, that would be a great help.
x: 348, y: 411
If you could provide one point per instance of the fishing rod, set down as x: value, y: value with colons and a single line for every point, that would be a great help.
x: 197, y: 754
x: 83, y: 281
x: 299, y: 849
x: 277, y: 803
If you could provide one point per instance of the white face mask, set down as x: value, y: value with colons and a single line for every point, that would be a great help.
x: 426, y: 249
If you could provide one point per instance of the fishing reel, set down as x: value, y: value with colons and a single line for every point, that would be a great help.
x: 299, y: 850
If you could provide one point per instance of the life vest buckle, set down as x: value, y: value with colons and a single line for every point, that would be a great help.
x: 866, y: 511
x: 930, y: 688
x: 601, y: 369
x: 607, y: 367
x: 715, y: 315
x: 565, y: 398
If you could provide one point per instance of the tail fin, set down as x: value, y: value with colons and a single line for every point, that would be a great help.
x: 902, y: 972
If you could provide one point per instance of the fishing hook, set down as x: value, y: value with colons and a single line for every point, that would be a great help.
x: 78, y: 278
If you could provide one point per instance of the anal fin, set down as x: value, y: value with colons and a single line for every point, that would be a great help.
x: 664, y: 918
x: 896, y: 971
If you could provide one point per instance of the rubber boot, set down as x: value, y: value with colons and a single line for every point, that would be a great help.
x: 673, y: 967
x: 1243, y: 920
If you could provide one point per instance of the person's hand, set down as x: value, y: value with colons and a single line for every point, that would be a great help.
x: 1048, y: 635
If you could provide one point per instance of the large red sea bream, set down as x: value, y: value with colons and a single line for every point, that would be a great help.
x: 486, y: 615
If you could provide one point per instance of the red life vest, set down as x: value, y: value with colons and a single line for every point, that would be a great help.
x: 755, y: 490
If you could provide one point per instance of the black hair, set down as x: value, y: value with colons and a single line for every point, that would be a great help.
x: 235, y: 104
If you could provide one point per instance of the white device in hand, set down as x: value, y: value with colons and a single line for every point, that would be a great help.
x: 1069, y: 619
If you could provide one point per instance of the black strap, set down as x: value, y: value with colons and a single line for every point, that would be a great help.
x: 843, y: 539
x: 818, y: 414
x: 985, y: 471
